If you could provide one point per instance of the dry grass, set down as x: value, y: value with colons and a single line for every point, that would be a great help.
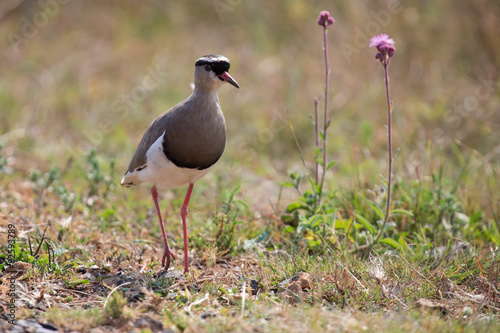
x: 115, y: 283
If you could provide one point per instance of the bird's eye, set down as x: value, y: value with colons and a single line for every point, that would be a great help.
x: 208, y: 67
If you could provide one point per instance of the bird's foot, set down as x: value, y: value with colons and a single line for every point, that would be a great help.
x: 165, y: 261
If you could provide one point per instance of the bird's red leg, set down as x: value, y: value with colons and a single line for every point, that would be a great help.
x: 184, y: 212
x: 167, y: 253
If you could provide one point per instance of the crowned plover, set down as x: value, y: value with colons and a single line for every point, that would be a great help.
x: 183, y: 144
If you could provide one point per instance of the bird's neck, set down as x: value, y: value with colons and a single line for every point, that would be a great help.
x: 201, y: 93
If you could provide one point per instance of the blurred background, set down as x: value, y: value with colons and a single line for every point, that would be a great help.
x: 77, y: 75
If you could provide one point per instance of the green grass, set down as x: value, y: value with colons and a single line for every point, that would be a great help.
x: 69, y: 124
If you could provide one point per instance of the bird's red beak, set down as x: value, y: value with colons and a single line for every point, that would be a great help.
x: 226, y: 77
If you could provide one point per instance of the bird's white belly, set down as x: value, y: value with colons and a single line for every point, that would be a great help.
x: 162, y: 172
x: 165, y: 174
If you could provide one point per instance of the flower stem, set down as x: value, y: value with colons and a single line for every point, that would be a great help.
x: 389, y: 139
x: 316, y: 133
x: 325, y: 112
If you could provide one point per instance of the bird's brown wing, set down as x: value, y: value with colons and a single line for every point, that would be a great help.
x: 154, y: 131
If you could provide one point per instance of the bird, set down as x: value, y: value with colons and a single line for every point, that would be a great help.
x: 184, y: 143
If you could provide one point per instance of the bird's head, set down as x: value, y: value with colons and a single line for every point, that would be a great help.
x: 211, y: 72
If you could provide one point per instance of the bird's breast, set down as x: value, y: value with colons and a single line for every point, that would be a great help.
x: 196, y: 142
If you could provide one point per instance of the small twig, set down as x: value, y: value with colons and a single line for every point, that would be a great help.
x: 49, y: 249
x: 273, y: 218
x: 219, y: 233
x: 39, y: 245
x: 29, y: 243
x: 413, y: 268
x: 298, y: 147
x: 82, y: 293
x: 197, y: 302
x: 112, y: 291
x: 352, y: 275
x: 350, y: 225
x: 243, y: 299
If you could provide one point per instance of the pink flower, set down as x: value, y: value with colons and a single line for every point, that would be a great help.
x: 381, y: 39
x: 324, y: 19
x: 384, y: 45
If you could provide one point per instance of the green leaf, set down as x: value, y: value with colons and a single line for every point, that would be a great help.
x: 339, y: 224
x: 401, y: 212
x: 294, y: 206
x: 243, y: 204
x: 233, y: 192
x: 363, y: 221
x: 263, y: 236
x: 396, y: 152
x: 391, y: 242
x: 377, y: 210
x: 401, y: 240
x: 331, y: 164
x: 316, y: 220
x: 382, y: 178
x: 348, y: 224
